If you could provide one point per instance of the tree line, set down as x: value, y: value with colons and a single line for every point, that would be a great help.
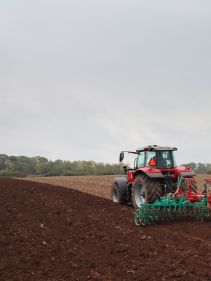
x: 22, y: 166
x: 199, y: 168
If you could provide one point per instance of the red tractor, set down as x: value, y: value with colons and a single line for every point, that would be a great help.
x: 155, y: 174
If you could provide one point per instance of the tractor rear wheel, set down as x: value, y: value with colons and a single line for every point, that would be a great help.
x: 118, y: 194
x: 145, y: 190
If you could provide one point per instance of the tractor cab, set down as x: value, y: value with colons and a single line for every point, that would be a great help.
x: 153, y: 156
x: 156, y: 157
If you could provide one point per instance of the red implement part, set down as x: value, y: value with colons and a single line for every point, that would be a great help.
x: 186, y: 188
x: 208, y: 188
x: 209, y: 200
x: 208, y: 181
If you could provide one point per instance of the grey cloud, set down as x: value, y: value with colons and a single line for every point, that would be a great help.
x: 85, y: 79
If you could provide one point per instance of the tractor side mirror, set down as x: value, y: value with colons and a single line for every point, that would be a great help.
x: 121, y: 156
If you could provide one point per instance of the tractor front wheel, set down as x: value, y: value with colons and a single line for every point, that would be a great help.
x: 119, y: 194
x: 145, y: 190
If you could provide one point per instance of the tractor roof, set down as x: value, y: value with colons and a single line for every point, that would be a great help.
x: 156, y: 148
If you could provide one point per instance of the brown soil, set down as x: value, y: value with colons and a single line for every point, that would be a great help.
x: 51, y: 233
x: 96, y: 185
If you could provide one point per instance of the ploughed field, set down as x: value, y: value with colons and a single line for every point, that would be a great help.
x: 53, y: 233
x: 96, y: 185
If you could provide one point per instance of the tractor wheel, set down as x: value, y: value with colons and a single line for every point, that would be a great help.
x: 145, y: 190
x: 119, y: 194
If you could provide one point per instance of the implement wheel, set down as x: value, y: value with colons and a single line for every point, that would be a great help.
x: 136, y: 219
x: 145, y: 190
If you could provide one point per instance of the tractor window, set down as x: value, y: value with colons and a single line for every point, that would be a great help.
x: 174, y: 159
x: 149, y: 156
x: 164, y: 159
x: 136, y: 163
x: 141, y: 160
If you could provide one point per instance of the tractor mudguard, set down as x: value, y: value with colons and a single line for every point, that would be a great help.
x: 188, y: 174
x: 185, y: 172
x: 149, y: 172
x: 154, y: 175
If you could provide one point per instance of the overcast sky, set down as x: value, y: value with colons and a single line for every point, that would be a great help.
x: 84, y: 79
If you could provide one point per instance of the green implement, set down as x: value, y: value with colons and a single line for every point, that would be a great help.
x: 171, y: 208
